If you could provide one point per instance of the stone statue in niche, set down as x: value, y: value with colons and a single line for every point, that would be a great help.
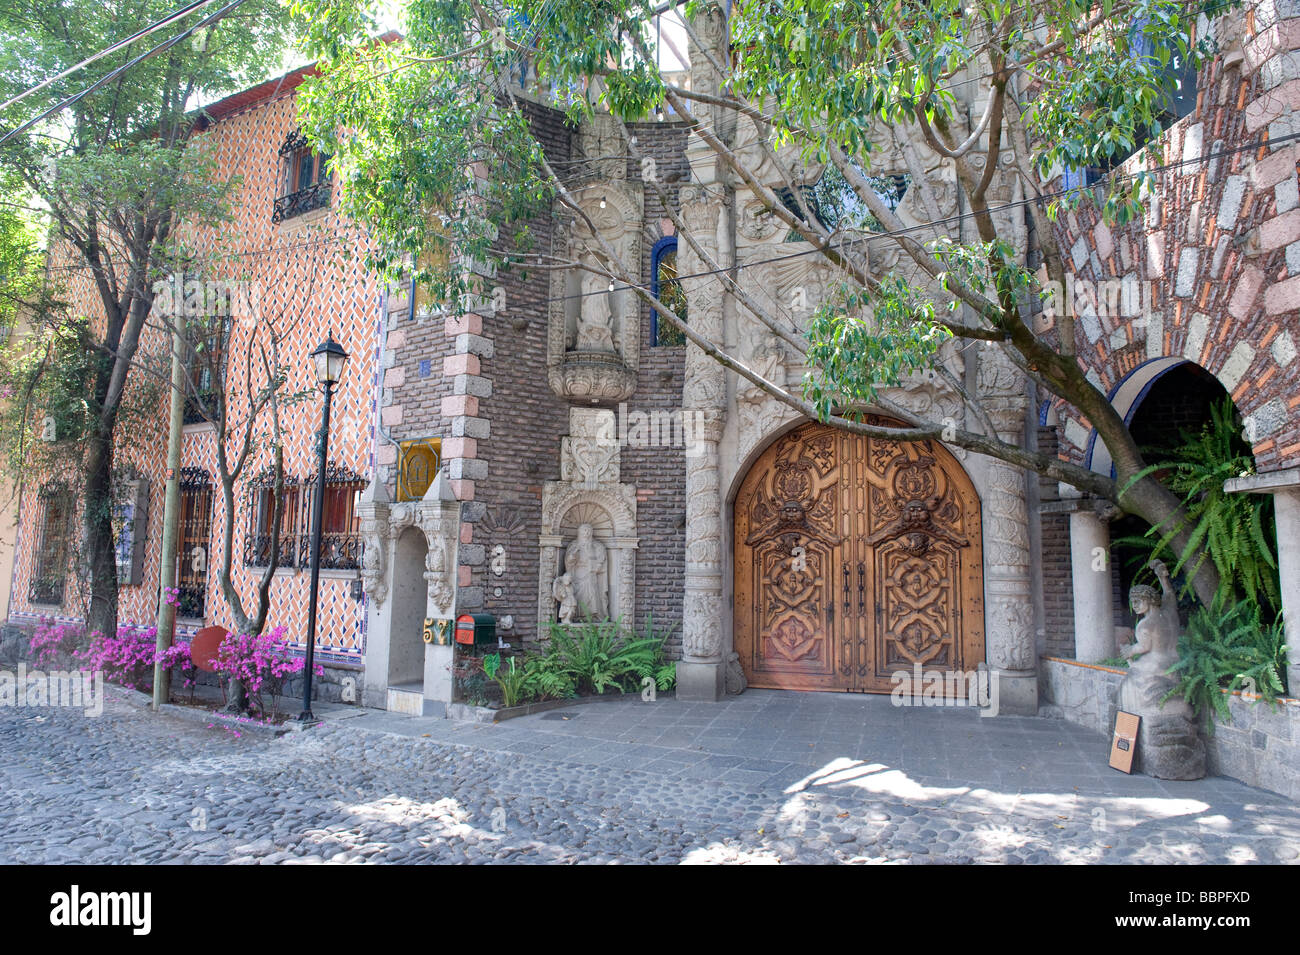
x: 586, y: 564
x: 562, y: 591
x: 1169, y: 745
x: 595, y: 318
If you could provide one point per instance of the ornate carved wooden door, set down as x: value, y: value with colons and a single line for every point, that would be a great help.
x: 856, y: 558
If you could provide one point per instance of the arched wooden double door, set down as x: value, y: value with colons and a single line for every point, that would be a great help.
x: 856, y: 558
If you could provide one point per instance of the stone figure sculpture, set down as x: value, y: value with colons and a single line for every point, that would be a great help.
x: 1156, y: 633
x: 595, y: 319
x: 586, y: 563
x: 562, y: 591
x: 1169, y: 745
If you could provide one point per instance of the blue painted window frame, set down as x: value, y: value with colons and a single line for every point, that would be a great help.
x: 661, y: 248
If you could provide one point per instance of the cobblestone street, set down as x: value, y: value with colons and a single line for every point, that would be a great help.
x: 766, y: 777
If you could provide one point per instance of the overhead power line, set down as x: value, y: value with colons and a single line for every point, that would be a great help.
x: 121, y: 44
x: 161, y: 47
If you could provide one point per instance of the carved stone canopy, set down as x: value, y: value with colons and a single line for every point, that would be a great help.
x: 593, y: 334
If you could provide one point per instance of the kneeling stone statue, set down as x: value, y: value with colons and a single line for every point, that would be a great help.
x: 1169, y: 745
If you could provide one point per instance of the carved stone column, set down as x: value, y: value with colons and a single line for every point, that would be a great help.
x: 439, y: 518
x: 376, y: 561
x: 1009, y: 605
x: 701, y: 674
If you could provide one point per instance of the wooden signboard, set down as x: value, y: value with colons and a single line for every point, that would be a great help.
x: 1123, y: 744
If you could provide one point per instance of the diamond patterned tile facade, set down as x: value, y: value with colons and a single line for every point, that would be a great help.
x: 306, y: 275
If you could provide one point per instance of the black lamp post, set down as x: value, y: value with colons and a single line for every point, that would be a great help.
x: 329, y: 359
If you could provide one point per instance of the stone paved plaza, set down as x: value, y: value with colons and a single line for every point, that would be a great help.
x: 766, y: 777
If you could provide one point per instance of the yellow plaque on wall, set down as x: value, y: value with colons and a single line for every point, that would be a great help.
x: 436, y: 631
x: 418, y: 467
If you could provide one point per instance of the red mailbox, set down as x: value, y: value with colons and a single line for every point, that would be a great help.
x: 476, y: 629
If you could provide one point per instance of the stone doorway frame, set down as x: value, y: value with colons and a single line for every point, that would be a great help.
x: 437, y: 516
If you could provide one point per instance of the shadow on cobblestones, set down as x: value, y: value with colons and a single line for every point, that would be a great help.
x: 765, y: 778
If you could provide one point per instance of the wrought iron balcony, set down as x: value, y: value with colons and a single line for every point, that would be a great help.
x: 257, y: 550
x: 315, y: 196
x: 337, y: 551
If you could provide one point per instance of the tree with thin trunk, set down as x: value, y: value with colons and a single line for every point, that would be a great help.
x: 115, y: 174
x: 234, y: 322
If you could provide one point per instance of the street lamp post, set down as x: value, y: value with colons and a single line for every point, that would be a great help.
x: 329, y: 358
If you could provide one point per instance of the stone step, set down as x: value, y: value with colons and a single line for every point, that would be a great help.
x: 410, y: 700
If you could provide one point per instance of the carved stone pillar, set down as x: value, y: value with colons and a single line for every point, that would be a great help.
x: 701, y: 674
x: 1010, y: 609
x: 439, y: 518
x: 376, y: 561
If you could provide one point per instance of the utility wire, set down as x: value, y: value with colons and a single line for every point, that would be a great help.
x: 140, y: 34
x: 161, y: 47
x: 855, y: 242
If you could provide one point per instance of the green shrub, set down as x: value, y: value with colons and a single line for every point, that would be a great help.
x: 1228, y: 649
x: 546, y: 678
x: 1232, y: 531
x: 598, y: 657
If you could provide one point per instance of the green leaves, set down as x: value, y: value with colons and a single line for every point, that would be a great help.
x: 859, y: 343
x: 1233, y: 531
x: 1226, y: 648
x: 410, y: 126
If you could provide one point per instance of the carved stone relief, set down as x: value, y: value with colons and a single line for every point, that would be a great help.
x: 589, y: 454
x: 588, y: 540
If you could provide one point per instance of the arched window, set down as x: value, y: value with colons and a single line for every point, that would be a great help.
x: 665, y: 286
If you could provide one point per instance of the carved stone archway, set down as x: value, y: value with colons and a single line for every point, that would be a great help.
x: 386, y: 566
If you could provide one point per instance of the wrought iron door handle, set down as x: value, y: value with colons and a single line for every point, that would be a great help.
x: 862, y: 587
x: 847, y: 603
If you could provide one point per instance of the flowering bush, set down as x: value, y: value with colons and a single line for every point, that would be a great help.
x: 129, y: 657
x: 178, y: 655
x: 260, y: 662
x: 50, y: 641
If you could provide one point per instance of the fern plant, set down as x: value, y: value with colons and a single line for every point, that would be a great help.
x: 599, y: 658
x: 1228, y: 647
x: 513, y: 681
x: 1234, y: 531
x: 547, y: 678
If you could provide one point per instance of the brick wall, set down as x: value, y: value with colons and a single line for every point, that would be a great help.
x: 1217, y: 257
x: 1058, y: 588
x: 516, y: 446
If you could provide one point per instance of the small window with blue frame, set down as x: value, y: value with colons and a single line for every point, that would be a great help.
x: 666, y: 286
